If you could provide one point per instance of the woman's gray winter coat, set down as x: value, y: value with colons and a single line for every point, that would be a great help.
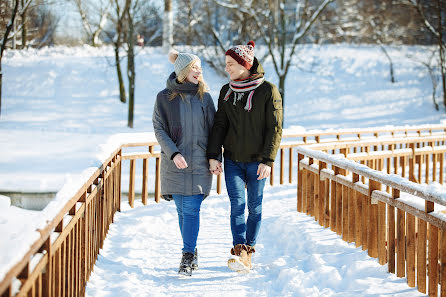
x: 183, y: 126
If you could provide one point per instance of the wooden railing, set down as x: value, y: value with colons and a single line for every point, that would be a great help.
x: 60, y: 262
x: 387, y: 215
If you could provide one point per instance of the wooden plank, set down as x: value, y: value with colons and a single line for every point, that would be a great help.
x: 441, y: 168
x: 290, y: 165
x: 421, y: 256
x: 333, y: 206
x: 282, y: 166
x: 443, y: 263
x: 271, y: 176
x: 433, y: 260
x: 391, y: 239
x: 316, y: 199
x: 410, y: 250
x: 145, y: 174
x: 358, y: 218
x: 299, y: 183
x: 304, y: 190
x: 373, y: 221
x: 132, y: 184
x: 365, y: 221
x: 327, y: 204
x: 219, y: 184
x: 158, y: 181
x: 351, y: 216
x: 382, y: 251
x: 322, y: 194
x: 339, y: 199
x: 345, y: 205
x: 401, y: 243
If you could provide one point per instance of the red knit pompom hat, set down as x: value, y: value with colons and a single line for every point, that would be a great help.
x: 243, y: 54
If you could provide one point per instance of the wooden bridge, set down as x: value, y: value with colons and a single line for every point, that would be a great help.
x: 367, y: 185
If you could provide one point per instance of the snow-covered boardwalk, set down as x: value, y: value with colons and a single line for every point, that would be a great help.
x: 295, y: 256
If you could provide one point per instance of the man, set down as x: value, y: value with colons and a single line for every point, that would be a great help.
x: 248, y: 124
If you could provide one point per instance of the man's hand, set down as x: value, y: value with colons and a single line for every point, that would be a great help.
x: 215, y: 166
x: 179, y: 161
x: 263, y: 171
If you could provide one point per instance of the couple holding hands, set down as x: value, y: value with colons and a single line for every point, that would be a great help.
x: 191, y: 133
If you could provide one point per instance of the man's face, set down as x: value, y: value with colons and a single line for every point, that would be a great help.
x: 234, y: 69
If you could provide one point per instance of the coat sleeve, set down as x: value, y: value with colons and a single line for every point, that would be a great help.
x: 273, y: 126
x: 219, y: 130
x: 160, y: 128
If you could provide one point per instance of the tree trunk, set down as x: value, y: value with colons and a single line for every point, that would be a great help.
x: 3, y: 45
x: 442, y: 54
x: 131, y: 68
x: 24, y: 26
x: 282, y: 94
x: 122, y: 95
x: 392, y: 76
x: 1, y: 80
x: 167, y: 26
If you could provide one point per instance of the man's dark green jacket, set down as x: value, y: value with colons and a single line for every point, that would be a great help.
x: 248, y: 136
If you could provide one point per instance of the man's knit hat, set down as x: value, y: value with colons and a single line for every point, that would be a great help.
x: 181, y: 60
x: 243, y: 54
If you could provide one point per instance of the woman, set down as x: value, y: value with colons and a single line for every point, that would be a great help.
x: 182, y: 119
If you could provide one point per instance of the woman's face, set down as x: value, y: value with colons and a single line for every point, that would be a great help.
x: 195, y: 72
x: 234, y: 69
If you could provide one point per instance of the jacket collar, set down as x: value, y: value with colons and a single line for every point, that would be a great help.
x: 186, y: 87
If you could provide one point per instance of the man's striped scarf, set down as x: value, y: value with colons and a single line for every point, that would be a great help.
x: 239, y: 88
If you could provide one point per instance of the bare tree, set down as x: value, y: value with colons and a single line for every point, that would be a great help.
x: 94, y: 16
x: 16, y: 9
x: 288, y: 27
x: 432, y: 14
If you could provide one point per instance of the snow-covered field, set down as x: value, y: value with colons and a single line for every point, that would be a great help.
x: 61, y: 116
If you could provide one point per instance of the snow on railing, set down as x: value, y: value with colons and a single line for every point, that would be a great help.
x: 361, y: 204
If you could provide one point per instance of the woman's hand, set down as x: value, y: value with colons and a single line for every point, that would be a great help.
x: 180, y: 162
x: 215, y: 166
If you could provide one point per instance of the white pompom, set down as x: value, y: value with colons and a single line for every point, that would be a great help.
x: 173, y: 55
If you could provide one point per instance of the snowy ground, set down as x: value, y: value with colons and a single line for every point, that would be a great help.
x: 295, y: 256
x: 61, y: 116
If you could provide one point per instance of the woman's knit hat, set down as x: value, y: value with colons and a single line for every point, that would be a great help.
x: 243, y: 54
x: 181, y: 61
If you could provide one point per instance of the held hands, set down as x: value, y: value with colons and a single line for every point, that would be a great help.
x: 215, y: 166
x: 179, y: 161
x: 263, y: 171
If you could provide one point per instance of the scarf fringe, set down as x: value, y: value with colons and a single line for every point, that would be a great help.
x: 240, y: 87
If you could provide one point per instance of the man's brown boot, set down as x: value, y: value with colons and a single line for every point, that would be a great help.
x: 240, y: 261
x: 250, y: 250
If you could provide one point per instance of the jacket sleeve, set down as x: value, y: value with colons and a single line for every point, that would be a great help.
x: 219, y: 130
x: 160, y: 128
x: 273, y: 126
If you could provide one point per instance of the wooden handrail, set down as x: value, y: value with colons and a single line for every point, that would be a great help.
x: 365, y: 214
x: 92, y: 207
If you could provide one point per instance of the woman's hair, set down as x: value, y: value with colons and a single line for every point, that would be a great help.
x: 202, y: 86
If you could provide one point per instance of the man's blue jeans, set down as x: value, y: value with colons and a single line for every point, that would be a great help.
x: 237, y: 174
x: 188, y: 208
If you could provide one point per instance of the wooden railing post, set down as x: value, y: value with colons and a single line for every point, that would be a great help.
x: 158, y: 180
x: 290, y: 166
x: 373, y: 220
x: 282, y: 162
x: 132, y: 184
x: 299, y: 183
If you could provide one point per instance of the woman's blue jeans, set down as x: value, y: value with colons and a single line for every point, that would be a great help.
x: 237, y: 174
x: 188, y: 208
